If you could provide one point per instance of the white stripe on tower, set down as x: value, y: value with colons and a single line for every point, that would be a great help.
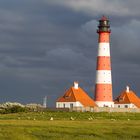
x: 103, y: 88
x: 104, y: 77
x: 104, y: 49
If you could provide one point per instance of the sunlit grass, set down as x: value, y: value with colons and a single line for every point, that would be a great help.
x: 37, y: 126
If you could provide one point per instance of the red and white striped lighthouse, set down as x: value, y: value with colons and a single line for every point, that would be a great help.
x: 103, y: 87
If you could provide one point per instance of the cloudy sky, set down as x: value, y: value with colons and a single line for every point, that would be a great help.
x: 45, y: 45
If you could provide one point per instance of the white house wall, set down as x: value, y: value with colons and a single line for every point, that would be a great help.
x: 124, y: 106
x: 67, y: 104
x: 104, y: 103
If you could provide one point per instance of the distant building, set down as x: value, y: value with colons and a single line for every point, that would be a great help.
x: 45, y: 102
x: 127, y: 99
x: 75, y: 97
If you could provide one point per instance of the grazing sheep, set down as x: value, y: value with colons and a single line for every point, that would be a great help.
x: 51, y: 119
x: 71, y: 118
x: 90, y: 118
x: 113, y: 120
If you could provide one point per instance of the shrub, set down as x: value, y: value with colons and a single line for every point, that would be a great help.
x: 13, y: 109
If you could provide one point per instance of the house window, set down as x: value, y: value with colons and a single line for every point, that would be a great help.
x: 121, y: 99
x: 105, y: 105
x: 67, y: 96
x: 58, y: 105
x: 71, y: 105
x: 64, y: 105
x: 126, y: 106
x: 118, y: 106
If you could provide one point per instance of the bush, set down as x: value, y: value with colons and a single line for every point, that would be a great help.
x: 13, y: 109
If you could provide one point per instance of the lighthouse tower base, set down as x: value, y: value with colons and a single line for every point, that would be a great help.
x: 104, y: 104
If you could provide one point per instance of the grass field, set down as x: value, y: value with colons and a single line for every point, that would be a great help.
x: 38, y: 126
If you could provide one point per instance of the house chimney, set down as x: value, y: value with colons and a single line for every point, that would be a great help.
x: 127, y: 89
x: 76, y: 85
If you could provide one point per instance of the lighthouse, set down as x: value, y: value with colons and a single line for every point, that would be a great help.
x: 103, y: 85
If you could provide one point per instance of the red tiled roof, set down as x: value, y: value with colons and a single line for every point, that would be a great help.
x: 73, y: 95
x: 127, y: 98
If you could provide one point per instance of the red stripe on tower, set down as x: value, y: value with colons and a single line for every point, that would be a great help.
x: 103, y: 87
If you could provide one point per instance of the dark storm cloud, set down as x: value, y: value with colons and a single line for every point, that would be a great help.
x: 46, y: 45
x: 94, y: 7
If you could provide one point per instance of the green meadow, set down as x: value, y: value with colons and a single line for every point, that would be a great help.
x: 70, y: 126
